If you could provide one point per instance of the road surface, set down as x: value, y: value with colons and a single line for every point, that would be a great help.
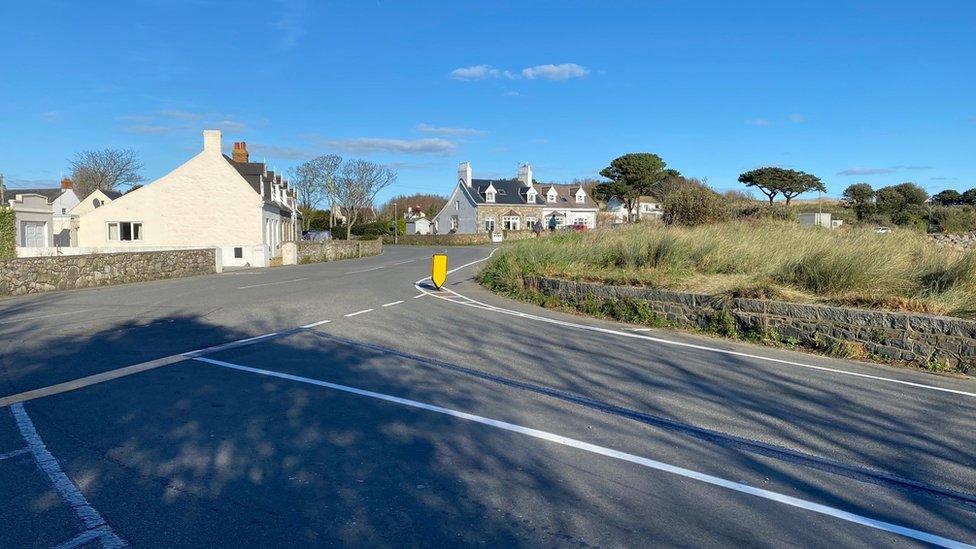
x: 349, y: 403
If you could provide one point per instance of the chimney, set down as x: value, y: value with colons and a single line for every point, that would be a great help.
x: 211, y: 141
x: 240, y: 152
x: 464, y: 173
x: 66, y: 184
x: 525, y: 175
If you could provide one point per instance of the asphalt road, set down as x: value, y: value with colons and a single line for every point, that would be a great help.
x: 341, y: 403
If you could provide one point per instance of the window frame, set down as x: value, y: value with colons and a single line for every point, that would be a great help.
x: 119, y: 231
x: 493, y: 224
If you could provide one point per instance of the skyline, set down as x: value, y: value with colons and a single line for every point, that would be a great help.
x: 877, y: 92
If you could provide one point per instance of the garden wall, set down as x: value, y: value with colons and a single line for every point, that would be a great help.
x: 41, y: 274
x: 915, y: 338
x: 458, y: 239
x: 332, y: 250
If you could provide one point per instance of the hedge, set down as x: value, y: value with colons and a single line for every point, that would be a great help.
x: 7, y: 233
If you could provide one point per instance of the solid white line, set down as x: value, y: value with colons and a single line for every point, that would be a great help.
x: 272, y: 283
x: 392, y: 304
x: 367, y: 270
x: 67, y: 491
x: 23, y: 319
x: 616, y: 454
x: 642, y: 329
x: 15, y: 453
x: 359, y: 312
x: 418, y: 296
x: 479, y: 305
x: 314, y: 324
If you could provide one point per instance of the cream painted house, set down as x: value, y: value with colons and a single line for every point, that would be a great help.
x: 33, y: 221
x: 211, y: 201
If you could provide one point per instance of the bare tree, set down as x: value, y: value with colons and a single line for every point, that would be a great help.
x: 105, y: 170
x: 312, y: 180
x: 357, y: 186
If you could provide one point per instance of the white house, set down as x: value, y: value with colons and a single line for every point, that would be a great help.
x: 646, y: 208
x: 417, y: 222
x: 33, y: 221
x: 819, y: 220
x: 491, y: 205
x: 211, y: 201
x: 61, y: 200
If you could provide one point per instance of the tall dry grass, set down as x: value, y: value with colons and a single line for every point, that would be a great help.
x: 901, y: 270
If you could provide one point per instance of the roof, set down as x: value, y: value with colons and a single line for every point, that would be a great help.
x: 566, y: 196
x: 508, y: 191
x: 49, y: 193
x: 254, y: 173
x: 112, y: 194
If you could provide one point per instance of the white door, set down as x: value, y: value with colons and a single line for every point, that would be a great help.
x: 32, y: 234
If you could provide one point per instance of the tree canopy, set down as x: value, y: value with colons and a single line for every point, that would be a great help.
x: 860, y: 197
x: 773, y: 181
x: 948, y: 197
x: 104, y: 170
x: 631, y: 176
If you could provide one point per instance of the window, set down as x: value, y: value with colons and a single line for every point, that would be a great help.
x: 457, y: 204
x: 238, y: 253
x: 530, y: 222
x: 580, y: 197
x: 530, y: 197
x: 551, y: 197
x: 96, y: 202
x: 64, y: 210
x: 501, y: 192
x: 510, y: 223
x: 580, y: 221
x: 490, y: 224
x: 454, y: 222
x: 489, y: 196
x: 124, y: 231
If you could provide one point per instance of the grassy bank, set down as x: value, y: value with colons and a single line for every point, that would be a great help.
x: 900, y: 271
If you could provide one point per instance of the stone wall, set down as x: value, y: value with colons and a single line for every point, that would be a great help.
x: 498, y: 211
x: 332, y: 250
x: 962, y: 242
x: 901, y: 337
x: 458, y: 239
x: 41, y: 274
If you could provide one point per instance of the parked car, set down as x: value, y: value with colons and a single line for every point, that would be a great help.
x: 578, y: 227
x: 316, y: 236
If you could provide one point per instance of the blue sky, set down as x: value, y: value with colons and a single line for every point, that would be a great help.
x: 850, y: 91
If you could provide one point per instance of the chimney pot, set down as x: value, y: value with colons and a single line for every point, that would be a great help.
x: 240, y: 154
x: 66, y: 184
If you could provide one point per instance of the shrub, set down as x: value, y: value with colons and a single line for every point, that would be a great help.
x: 692, y: 203
x: 954, y: 220
x: 7, y: 233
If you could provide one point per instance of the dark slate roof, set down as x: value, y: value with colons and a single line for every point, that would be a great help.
x: 112, y: 194
x: 510, y: 191
x: 250, y: 171
x: 49, y: 193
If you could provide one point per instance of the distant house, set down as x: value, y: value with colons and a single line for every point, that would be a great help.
x: 491, y: 205
x: 212, y: 200
x: 61, y: 200
x: 646, y: 208
x: 819, y: 220
x: 33, y: 220
x: 417, y: 223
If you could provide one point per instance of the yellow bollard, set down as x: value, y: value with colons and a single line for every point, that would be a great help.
x: 438, y: 270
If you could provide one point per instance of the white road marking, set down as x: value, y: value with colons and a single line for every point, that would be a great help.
x: 393, y: 303
x: 616, y: 454
x: 67, y: 491
x: 314, y: 324
x: 359, y: 312
x: 642, y: 329
x: 15, y: 453
x: 272, y: 283
x: 418, y: 296
x: 24, y: 319
x: 366, y: 270
x: 484, y: 306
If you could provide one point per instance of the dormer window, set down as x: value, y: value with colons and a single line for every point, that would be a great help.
x: 530, y: 196
x: 580, y: 197
x: 489, y: 196
x: 551, y: 196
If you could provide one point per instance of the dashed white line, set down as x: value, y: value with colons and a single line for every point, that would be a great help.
x: 23, y: 319
x: 314, y: 324
x: 418, y: 296
x: 359, y: 312
x: 393, y: 303
x: 366, y: 270
x: 616, y: 454
x: 272, y: 283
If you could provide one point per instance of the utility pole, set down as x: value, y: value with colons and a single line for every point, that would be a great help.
x: 396, y: 224
x: 3, y: 197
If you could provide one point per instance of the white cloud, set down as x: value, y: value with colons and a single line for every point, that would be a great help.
x: 476, y: 72
x: 149, y: 129
x: 291, y: 23
x: 860, y: 170
x: 797, y: 118
x: 511, y: 94
x: 758, y: 122
x: 258, y: 150
x: 448, y: 130
x: 564, y: 71
x: 363, y: 145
